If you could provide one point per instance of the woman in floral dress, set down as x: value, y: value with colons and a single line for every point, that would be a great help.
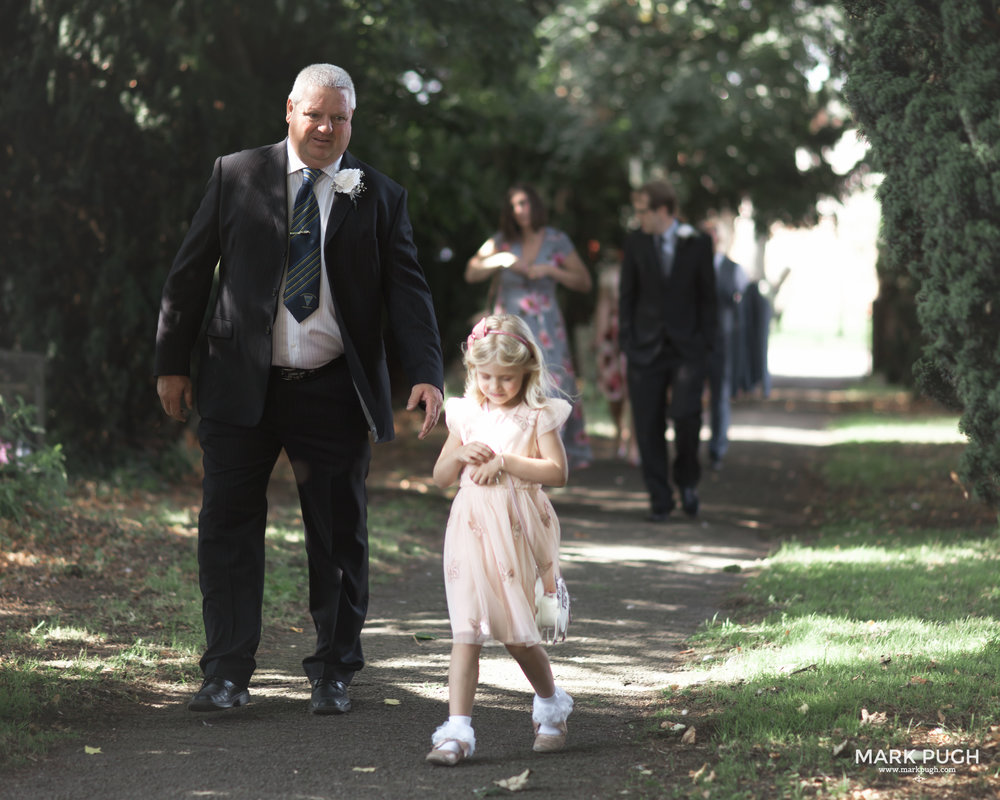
x: 528, y: 260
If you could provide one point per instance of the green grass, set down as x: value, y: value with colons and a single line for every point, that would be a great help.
x: 866, y: 634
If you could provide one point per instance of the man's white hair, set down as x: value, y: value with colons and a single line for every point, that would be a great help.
x: 326, y: 76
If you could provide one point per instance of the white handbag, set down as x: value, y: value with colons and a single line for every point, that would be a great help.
x: 552, y: 613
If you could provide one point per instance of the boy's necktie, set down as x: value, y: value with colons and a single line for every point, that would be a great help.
x: 302, y: 282
x: 664, y: 254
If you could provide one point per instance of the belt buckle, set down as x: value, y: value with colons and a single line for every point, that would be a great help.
x: 293, y: 374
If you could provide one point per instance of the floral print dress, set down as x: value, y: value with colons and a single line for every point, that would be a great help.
x: 500, y: 537
x: 535, y: 302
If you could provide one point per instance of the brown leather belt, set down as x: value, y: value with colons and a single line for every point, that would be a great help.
x: 296, y: 374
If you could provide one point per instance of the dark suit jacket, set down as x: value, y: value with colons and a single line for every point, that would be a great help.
x: 656, y: 312
x: 726, y: 294
x: 242, y: 225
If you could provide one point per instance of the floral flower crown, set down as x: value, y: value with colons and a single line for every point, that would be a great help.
x: 480, y: 331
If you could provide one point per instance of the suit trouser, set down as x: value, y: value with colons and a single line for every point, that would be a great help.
x: 648, y: 386
x: 720, y: 389
x: 321, y: 426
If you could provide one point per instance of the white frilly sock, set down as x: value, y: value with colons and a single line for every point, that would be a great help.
x: 458, y: 728
x: 549, y: 712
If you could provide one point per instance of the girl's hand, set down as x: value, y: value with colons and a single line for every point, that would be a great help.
x: 474, y: 453
x: 486, y: 473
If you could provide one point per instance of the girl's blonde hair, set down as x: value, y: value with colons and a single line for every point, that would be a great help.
x: 507, y: 340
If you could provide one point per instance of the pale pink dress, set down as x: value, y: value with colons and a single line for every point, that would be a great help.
x: 500, y: 537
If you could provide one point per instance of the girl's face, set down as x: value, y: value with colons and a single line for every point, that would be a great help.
x: 500, y: 385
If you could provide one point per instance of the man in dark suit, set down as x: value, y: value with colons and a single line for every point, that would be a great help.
x: 297, y: 364
x: 730, y: 284
x: 667, y: 324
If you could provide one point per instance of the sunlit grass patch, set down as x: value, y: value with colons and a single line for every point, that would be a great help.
x: 880, y: 629
x: 876, y: 427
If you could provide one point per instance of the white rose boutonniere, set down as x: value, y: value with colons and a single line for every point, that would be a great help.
x: 349, y: 182
x: 685, y: 231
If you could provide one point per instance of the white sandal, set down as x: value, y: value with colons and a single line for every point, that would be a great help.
x: 446, y: 756
x: 462, y: 735
x: 551, y: 712
x: 550, y: 742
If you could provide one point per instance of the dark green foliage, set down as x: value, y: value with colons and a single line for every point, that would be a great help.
x: 32, y: 473
x: 720, y: 96
x: 111, y: 117
x: 113, y: 111
x: 923, y: 81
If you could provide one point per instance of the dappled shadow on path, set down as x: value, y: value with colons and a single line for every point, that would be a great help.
x: 639, y: 591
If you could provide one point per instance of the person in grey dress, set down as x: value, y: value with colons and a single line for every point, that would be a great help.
x: 528, y: 260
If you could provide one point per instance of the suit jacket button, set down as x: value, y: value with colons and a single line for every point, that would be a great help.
x: 267, y: 329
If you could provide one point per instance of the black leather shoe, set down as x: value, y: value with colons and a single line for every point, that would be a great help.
x: 217, y: 694
x: 689, y: 501
x: 329, y: 697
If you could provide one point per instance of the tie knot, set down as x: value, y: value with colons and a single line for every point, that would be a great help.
x: 310, y: 174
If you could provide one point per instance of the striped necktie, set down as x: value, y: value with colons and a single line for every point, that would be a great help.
x: 302, y: 282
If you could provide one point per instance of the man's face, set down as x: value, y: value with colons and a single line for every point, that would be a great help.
x: 650, y: 220
x: 319, y: 125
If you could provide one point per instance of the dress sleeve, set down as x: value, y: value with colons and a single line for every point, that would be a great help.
x: 561, y: 243
x: 555, y: 413
x: 456, y: 412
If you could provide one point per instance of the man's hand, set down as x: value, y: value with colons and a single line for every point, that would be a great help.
x: 432, y: 399
x: 176, y: 395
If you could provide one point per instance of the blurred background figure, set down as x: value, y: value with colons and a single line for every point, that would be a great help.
x: 528, y: 260
x: 667, y: 324
x: 730, y: 285
x: 610, y: 361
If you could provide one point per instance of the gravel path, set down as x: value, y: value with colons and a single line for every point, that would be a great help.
x: 638, y: 591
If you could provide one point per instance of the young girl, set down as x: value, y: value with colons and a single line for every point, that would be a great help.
x: 502, y: 535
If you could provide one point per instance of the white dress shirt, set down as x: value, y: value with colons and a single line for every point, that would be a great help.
x: 317, y: 339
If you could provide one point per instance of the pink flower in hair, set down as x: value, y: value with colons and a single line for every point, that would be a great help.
x: 478, y: 332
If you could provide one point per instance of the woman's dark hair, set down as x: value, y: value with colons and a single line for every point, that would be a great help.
x: 539, y: 216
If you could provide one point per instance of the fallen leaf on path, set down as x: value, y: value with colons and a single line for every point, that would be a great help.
x: 515, y: 783
x: 689, y: 736
x: 804, y: 708
x: 90, y: 751
x: 878, y: 718
x: 839, y: 749
x: 296, y: 630
x: 363, y: 769
x: 390, y: 702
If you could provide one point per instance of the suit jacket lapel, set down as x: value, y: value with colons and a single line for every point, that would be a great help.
x: 276, y: 181
x: 341, y: 202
